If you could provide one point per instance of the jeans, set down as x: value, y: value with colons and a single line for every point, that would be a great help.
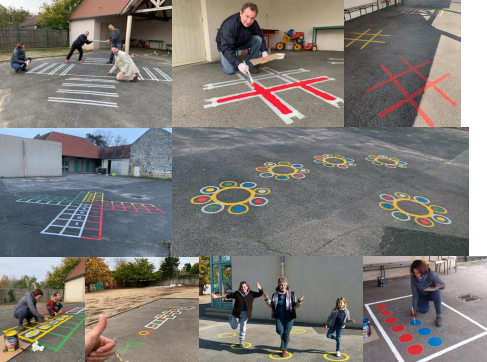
x: 254, y: 44
x: 23, y: 313
x: 118, y: 46
x: 244, y: 317
x: 56, y: 308
x: 424, y: 302
x: 283, y: 328
x: 338, y: 337
x: 18, y: 66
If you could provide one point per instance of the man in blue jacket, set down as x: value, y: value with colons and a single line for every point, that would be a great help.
x: 115, y: 40
x: 18, y: 61
x: 26, y: 308
x: 240, y: 31
x: 78, y: 45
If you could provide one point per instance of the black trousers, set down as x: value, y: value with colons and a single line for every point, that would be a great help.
x: 79, y: 48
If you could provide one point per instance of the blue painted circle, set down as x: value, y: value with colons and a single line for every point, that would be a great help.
x: 424, y: 331
x: 388, y: 206
x: 248, y: 184
x: 329, y: 164
x: 238, y: 208
x: 421, y: 199
x: 435, y: 341
x: 349, y: 160
x: 281, y: 177
x: 415, y: 323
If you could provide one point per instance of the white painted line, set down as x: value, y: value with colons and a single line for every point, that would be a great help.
x: 336, y: 62
x: 77, y: 91
x: 56, y: 69
x: 336, y: 59
x: 39, y: 66
x: 388, y: 300
x: 46, y: 68
x: 67, y: 69
x: 140, y: 76
x: 94, y: 80
x: 82, y: 101
x: 88, y: 85
x: 150, y: 74
x: 163, y: 74
x: 467, y: 318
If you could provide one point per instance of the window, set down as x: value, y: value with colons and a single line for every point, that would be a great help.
x: 221, y: 280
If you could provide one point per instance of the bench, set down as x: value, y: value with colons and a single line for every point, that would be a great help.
x: 360, y: 8
x: 316, y: 28
x: 155, y: 41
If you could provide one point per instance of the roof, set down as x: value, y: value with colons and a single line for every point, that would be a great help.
x: 72, y: 145
x: 114, y: 152
x: 95, y: 8
x: 33, y: 20
x: 77, y: 272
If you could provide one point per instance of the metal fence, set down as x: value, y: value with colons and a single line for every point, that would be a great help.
x: 33, y: 38
x: 19, y: 293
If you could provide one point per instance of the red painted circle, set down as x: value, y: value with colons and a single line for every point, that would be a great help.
x: 406, y: 338
x: 319, y: 157
x: 387, y: 197
x: 298, y: 175
x: 398, y: 328
x: 200, y: 199
x: 262, y: 169
x: 391, y: 320
x: 258, y: 201
x: 415, y: 349
x: 385, y: 313
x: 381, y: 306
x: 424, y: 221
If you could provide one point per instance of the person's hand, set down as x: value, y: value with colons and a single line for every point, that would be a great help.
x: 109, y: 73
x: 413, y: 313
x: 258, y: 286
x: 244, y: 68
x: 352, y: 321
x: 108, y: 41
x: 46, y: 319
x: 301, y: 298
x: 264, y: 54
x: 326, y: 326
x: 121, y: 75
x: 55, y: 314
x: 213, y: 295
x: 97, y: 347
x: 265, y: 296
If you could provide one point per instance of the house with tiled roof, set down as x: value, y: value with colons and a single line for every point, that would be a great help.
x: 30, y: 23
x: 146, y: 20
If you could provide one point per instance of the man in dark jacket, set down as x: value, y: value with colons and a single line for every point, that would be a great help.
x: 26, y: 308
x: 78, y: 44
x: 240, y: 31
x: 18, y: 61
x: 115, y: 40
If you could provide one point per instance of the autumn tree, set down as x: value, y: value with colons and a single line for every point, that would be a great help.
x: 25, y: 282
x: 139, y: 269
x: 55, y: 15
x: 195, y: 269
x: 12, y: 17
x: 204, y: 265
x: 4, y: 282
x: 55, y: 278
x: 96, y: 270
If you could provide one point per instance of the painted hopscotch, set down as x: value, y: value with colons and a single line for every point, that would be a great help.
x: 389, y: 162
x: 281, y: 108
x: 338, y: 161
x: 82, y: 216
x: 367, y: 41
x: 282, y: 170
x: 409, y: 97
x: 171, y: 313
x: 427, y: 12
x: 62, y: 326
x: 213, y: 194
x: 419, y: 340
x: 401, y: 202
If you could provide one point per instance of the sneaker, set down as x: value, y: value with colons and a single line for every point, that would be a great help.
x: 24, y: 70
x: 21, y: 328
x: 16, y: 71
x: 109, y: 63
x: 338, y: 354
x: 284, y: 353
x: 65, y: 60
x: 254, y: 70
x: 80, y: 61
x: 135, y: 77
x: 439, y: 321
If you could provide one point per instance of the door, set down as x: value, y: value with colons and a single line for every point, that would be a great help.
x: 87, y: 169
x: 75, y: 165
x: 117, y: 167
x: 187, y: 33
x: 66, y: 166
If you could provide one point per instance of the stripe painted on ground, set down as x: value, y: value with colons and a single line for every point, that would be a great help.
x: 39, y: 66
x: 88, y: 85
x: 67, y: 70
x: 77, y: 91
x: 82, y: 101
x: 150, y: 74
x: 47, y: 68
x: 95, y: 80
x: 163, y: 74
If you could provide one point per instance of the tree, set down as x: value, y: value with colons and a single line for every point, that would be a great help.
x: 25, y: 282
x: 204, y: 265
x: 187, y: 267
x: 169, y: 267
x: 104, y: 138
x: 98, y: 140
x: 55, y: 16
x: 4, y: 282
x: 55, y: 278
x: 195, y: 269
x: 96, y: 270
x: 119, y: 140
x: 140, y: 269
x: 11, y: 17
x: 119, y: 262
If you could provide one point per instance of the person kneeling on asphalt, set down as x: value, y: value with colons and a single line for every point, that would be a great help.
x: 78, y: 45
x: 18, y: 61
x: 55, y: 305
x: 128, y: 70
x: 26, y: 308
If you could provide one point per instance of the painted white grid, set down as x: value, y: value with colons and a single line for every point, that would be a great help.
x: 156, y: 323
x: 73, y: 210
x: 76, y: 310
x: 439, y: 353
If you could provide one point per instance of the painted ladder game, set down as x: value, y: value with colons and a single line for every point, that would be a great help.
x: 421, y: 340
x: 280, y: 107
x: 56, y: 332
x: 82, y: 216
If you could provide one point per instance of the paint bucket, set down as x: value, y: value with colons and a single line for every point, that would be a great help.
x: 11, y: 341
x: 366, y: 328
x: 381, y: 281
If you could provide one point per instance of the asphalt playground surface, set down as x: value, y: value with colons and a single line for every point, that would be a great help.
x: 24, y: 97
x: 308, y: 343
x: 123, y: 233
x: 190, y: 96
x: 430, y: 40
x: 71, y: 350
x: 175, y: 340
x: 469, y: 328
x: 331, y: 211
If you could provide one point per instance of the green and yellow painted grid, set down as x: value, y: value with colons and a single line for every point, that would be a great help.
x: 367, y: 41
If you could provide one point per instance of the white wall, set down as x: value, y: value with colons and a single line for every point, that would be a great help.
x: 75, y: 291
x: 79, y: 27
x: 43, y: 158
x: 155, y: 30
x: 125, y: 164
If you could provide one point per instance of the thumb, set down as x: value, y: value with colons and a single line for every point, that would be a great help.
x: 100, y: 327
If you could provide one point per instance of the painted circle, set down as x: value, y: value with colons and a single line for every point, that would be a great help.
x: 343, y: 354
x: 406, y: 338
x: 435, y: 341
x: 402, y: 163
x: 372, y: 156
x: 329, y: 164
x: 402, y: 195
x: 281, y: 173
x: 282, y: 178
x: 238, y: 209
x: 297, y: 165
x: 352, y: 164
x: 303, y: 170
x: 387, y: 197
x: 298, y: 175
x: 209, y: 189
x: 318, y: 157
x: 228, y: 184
x: 421, y: 199
x: 262, y: 191
x: 317, y: 161
x: 289, y: 355
x: 415, y: 349
x: 266, y: 175
x: 391, y: 166
x: 214, y: 197
x: 390, y: 320
x: 200, y: 199
x: 284, y: 163
x: 441, y: 219
x: 336, y: 158
x: 227, y: 335
x: 386, y: 205
x: 427, y: 223
x: 269, y: 164
x: 143, y: 333
x: 232, y: 346
x: 416, y: 323
x: 339, y: 156
x: 369, y: 158
x: 293, y: 331
x: 248, y: 185
x: 403, y: 200
x: 261, y: 169
x: 381, y: 306
x: 342, y: 166
x: 212, y: 208
x: 438, y: 209
x: 398, y: 328
x: 385, y: 313
x: 399, y: 215
x: 327, y: 156
x: 349, y: 160
x: 424, y: 331
x: 258, y: 201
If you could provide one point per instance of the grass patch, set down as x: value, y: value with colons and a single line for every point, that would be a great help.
x: 38, y: 53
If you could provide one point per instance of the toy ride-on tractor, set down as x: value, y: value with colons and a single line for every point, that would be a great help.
x: 295, y: 38
x: 309, y: 46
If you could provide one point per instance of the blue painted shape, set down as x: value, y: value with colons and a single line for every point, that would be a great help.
x: 435, y: 341
x: 349, y: 160
x: 420, y: 199
x: 424, y: 331
x: 415, y: 323
x: 238, y: 208
x: 388, y: 206
x: 248, y: 185
x: 330, y: 164
x: 281, y: 177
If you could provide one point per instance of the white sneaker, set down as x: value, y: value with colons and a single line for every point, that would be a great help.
x: 241, y: 344
x: 338, y: 354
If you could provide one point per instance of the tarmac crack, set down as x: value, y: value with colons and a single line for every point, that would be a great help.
x: 267, y: 246
x: 120, y: 359
x: 331, y: 240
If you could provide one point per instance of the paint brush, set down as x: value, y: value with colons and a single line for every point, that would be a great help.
x: 251, y: 80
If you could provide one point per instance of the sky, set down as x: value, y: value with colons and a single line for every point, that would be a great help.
x: 131, y: 134
x: 37, y: 267
x: 32, y: 5
x: 155, y: 261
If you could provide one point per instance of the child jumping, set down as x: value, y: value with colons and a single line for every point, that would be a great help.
x: 336, y: 322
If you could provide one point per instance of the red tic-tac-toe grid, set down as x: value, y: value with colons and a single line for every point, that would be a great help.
x: 409, y: 98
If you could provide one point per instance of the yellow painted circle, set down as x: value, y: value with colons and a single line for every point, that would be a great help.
x: 395, y: 163
x: 283, y: 174
x: 141, y: 333
x: 426, y: 226
x: 198, y: 202
x: 385, y: 208
x: 224, y: 182
x: 225, y: 334
x: 281, y: 358
x: 439, y: 212
x: 293, y: 331
x: 329, y: 359
x: 246, y: 208
x: 259, y: 169
x: 215, y: 199
x: 430, y: 211
x: 439, y: 218
x: 325, y: 159
x: 401, y: 197
x: 232, y: 346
